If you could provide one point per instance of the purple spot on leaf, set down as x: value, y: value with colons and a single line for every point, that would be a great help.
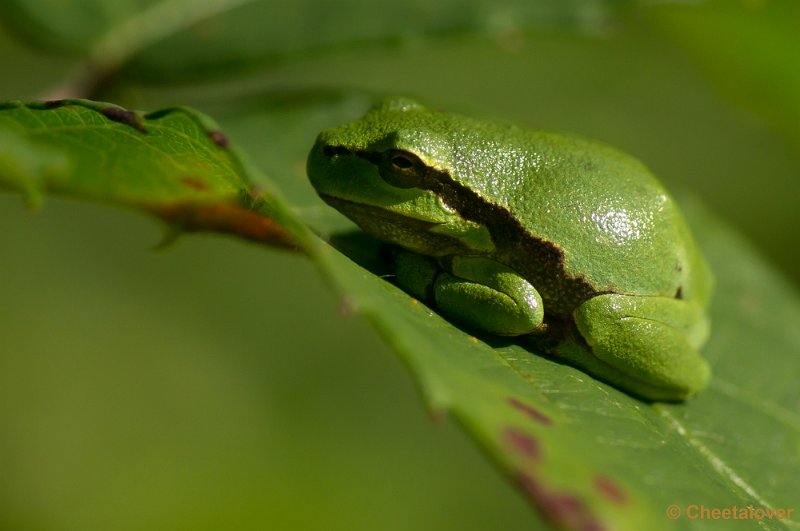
x: 532, y: 413
x: 610, y: 490
x: 522, y: 443
x: 562, y: 508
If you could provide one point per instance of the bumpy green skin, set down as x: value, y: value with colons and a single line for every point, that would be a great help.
x: 566, y: 241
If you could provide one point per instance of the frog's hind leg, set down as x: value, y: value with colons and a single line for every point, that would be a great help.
x: 650, y: 344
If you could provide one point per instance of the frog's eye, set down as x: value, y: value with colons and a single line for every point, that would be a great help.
x: 402, y: 169
x: 401, y: 161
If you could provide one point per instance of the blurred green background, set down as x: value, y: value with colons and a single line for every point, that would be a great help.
x: 217, y: 384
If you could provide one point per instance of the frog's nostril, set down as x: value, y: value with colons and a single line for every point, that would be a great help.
x: 332, y: 151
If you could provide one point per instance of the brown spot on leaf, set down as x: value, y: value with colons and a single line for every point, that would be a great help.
x: 126, y: 117
x: 562, y: 508
x: 227, y: 218
x: 522, y: 443
x: 436, y: 414
x: 609, y: 488
x: 219, y: 138
x: 347, y: 306
x: 54, y: 104
x: 193, y: 182
x: 530, y: 411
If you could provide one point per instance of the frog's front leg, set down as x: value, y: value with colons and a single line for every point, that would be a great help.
x: 652, y: 343
x: 476, y: 291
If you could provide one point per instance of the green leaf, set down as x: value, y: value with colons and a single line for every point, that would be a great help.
x: 589, y: 455
x: 265, y: 33
x: 570, y: 441
x: 586, y: 455
x: 26, y: 166
x: 174, y: 163
x: 108, y: 31
x: 583, y: 452
x: 187, y: 39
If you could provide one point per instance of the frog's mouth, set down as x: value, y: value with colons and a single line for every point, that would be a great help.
x: 365, y: 211
x: 399, y: 229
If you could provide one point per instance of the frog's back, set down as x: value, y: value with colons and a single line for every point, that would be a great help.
x: 612, y: 221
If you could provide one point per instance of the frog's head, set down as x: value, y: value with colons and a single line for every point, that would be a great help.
x: 385, y: 172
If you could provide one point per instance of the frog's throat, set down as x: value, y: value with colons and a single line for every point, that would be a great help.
x: 374, y: 211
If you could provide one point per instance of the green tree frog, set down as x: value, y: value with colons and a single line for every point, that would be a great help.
x: 516, y: 232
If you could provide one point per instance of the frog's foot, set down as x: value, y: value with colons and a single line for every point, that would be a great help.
x: 479, y: 292
x: 648, y: 345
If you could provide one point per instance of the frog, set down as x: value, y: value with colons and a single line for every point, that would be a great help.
x: 558, y: 241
